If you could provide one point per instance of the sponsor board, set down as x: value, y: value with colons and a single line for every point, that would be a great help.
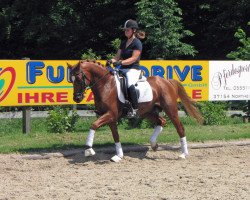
x: 229, y: 80
x: 47, y: 82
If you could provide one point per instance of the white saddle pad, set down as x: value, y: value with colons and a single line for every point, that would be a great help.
x: 142, y: 85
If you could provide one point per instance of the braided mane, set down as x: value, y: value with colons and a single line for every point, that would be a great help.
x: 93, y: 61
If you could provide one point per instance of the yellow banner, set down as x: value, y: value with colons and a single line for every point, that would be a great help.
x: 47, y: 82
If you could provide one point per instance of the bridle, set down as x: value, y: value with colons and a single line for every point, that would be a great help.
x: 83, y: 84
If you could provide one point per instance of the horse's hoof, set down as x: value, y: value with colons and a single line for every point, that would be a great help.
x: 183, y: 156
x: 116, y: 159
x: 154, y: 146
x: 89, y: 152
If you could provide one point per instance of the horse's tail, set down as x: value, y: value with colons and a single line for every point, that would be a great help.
x: 188, y: 103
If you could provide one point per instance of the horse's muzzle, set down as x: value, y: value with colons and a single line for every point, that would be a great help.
x: 78, y: 97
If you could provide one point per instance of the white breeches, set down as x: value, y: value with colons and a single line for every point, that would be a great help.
x: 132, y: 75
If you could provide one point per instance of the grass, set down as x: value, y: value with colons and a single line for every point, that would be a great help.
x: 13, y: 140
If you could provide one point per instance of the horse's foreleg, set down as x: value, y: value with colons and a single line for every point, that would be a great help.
x: 118, y: 146
x: 89, y: 143
x: 154, y: 136
x: 104, y: 119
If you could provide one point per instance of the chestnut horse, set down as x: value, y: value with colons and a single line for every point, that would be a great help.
x: 94, y: 76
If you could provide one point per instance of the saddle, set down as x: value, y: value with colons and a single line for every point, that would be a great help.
x: 124, y: 86
x: 143, y: 90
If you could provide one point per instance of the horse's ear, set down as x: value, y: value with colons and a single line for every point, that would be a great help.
x: 69, y: 65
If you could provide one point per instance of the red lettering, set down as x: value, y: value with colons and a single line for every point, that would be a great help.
x: 44, y: 97
x: 47, y: 96
x: 90, y: 97
x: 19, y: 98
x: 29, y: 97
x: 196, y: 94
x: 62, y: 97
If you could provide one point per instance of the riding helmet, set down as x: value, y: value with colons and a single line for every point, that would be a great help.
x: 131, y: 24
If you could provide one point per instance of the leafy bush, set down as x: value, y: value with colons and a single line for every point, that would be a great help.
x: 234, y: 120
x: 90, y: 55
x: 187, y: 120
x: 60, y: 120
x: 115, y: 45
x: 213, y: 112
x: 90, y: 106
x: 135, y: 123
x: 10, y: 108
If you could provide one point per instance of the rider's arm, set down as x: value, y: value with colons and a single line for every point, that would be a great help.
x: 135, y: 56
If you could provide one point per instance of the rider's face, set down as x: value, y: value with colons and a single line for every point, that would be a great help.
x: 128, y: 32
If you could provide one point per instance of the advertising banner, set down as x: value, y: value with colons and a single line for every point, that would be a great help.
x: 229, y: 80
x: 192, y: 74
x: 47, y: 82
x: 28, y: 82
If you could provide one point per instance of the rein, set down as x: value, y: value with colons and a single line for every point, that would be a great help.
x: 84, y: 76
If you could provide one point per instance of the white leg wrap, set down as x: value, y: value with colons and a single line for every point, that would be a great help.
x: 184, y: 149
x: 90, y: 138
x: 118, y: 148
x: 116, y: 158
x: 157, y: 131
x: 119, y: 153
x: 89, y: 152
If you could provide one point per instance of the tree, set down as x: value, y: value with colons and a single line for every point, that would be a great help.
x: 242, y: 52
x: 163, y: 25
x: 60, y: 29
x: 213, y: 22
x: 37, y: 29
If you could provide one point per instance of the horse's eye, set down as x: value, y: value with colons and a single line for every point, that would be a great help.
x: 73, y: 78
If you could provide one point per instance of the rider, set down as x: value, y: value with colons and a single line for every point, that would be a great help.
x: 128, y: 57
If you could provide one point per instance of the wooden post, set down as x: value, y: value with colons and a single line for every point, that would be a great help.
x: 74, y: 107
x: 248, y: 111
x: 26, y: 119
x: 26, y: 115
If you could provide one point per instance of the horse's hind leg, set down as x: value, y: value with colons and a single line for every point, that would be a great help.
x: 160, y: 122
x: 172, y: 113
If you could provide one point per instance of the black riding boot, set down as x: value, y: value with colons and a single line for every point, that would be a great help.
x: 134, y: 101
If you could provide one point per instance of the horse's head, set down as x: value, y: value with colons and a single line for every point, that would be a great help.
x: 80, y: 81
x: 87, y: 75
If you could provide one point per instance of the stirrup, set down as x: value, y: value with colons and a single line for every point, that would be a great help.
x: 132, y: 113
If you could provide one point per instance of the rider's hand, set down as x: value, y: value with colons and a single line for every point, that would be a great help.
x: 117, y: 63
x: 109, y: 62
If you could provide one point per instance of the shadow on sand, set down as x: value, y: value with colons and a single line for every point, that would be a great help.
x: 103, y: 153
